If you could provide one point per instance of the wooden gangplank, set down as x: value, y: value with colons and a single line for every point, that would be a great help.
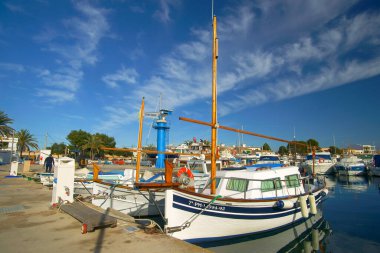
x: 89, y: 217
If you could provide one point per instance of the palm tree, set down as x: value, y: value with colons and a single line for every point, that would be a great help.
x: 5, y: 130
x: 93, y: 143
x: 25, y: 141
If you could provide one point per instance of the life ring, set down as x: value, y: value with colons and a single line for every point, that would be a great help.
x: 185, y: 170
x: 321, y: 160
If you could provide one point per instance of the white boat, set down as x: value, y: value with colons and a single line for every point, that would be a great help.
x: 246, y: 202
x: 351, y: 166
x: 128, y: 200
x: 267, y: 161
x: 124, y: 198
x: 83, y: 184
x: 322, y: 163
x: 374, y: 168
x: 239, y: 202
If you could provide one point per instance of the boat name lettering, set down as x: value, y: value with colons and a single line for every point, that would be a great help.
x: 204, y: 205
x: 112, y: 196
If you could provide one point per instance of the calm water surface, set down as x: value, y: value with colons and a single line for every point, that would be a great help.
x: 349, y: 221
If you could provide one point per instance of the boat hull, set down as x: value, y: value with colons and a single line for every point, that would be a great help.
x: 321, y: 168
x: 225, y: 219
x: 127, y: 200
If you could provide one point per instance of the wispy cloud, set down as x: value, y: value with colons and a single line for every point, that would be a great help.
x: 77, y: 47
x: 310, y: 51
x: 55, y: 96
x: 5, y: 66
x: 163, y: 14
x: 123, y: 75
x: 323, y: 61
x: 15, y: 8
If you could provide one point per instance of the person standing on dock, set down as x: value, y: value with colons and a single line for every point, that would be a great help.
x: 49, y: 162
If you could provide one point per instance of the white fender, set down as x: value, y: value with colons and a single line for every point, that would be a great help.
x: 303, y: 205
x: 313, y: 205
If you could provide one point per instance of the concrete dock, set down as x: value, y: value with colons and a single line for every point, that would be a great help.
x: 29, y: 224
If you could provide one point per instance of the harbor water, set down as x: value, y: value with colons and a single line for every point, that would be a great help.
x: 347, y: 221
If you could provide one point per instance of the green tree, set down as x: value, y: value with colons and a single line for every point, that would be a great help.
x: 334, y: 150
x: 92, y: 143
x: 77, y: 139
x: 25, y: 141
x: 312, y: 143
x: 58, y: 148
x: 282, y: 150
x: 299, y: 147
x: 5, y: 121
x: 108, y: 142
x: 266, y: 147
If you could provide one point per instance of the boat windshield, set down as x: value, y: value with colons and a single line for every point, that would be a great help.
x: 317, y: 157
x: 269, y: 158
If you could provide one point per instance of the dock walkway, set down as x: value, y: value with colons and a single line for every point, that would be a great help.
x: 29, y: 224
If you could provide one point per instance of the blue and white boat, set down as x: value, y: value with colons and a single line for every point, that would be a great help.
x: 351, y: 166
x: 267, y: 161
x: 322, y: 163
x: 239, y: 202
x: 250, y: 201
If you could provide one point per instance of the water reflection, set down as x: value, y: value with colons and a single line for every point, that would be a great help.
x: 349, y: 183
x: 307, y: 236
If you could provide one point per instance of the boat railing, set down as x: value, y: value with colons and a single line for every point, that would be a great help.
x: 284, y: 189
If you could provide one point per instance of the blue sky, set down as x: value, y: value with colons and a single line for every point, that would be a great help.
x: 309, y: 66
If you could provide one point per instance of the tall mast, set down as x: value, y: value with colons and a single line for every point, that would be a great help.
x: 214, y: 107
x: 139, y: 147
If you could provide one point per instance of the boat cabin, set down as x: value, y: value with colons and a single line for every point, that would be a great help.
x: 258, y: 183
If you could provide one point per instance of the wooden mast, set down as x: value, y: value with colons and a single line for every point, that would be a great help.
x: 139, y: 147
x: 214, y: 107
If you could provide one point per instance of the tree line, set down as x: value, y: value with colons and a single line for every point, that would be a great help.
x: 89, y: 145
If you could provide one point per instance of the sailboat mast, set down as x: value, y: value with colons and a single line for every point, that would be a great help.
x: 214, y: 107
x: 139, y: 146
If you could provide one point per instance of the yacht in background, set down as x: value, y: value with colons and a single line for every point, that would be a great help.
x: 323, y: 163
x: 351, y: 166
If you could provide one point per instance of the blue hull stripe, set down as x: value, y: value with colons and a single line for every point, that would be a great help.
x: 236, y: 212
x: 208, y: 239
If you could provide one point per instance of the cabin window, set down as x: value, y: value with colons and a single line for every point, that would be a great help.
x: 236, y: 184
x: 271, y: 184
x: 208, y: 166
x: 217, y: 181
x: 292, y: 181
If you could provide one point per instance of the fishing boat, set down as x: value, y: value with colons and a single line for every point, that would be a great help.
x: 351, y: 166
x: 84, y: 178
x: 239, y: 202
x: 246, y: 202
x: 138, y: 201
x: 320, y: 163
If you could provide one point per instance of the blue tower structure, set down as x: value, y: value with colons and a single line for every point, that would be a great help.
x: 161, y: 125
